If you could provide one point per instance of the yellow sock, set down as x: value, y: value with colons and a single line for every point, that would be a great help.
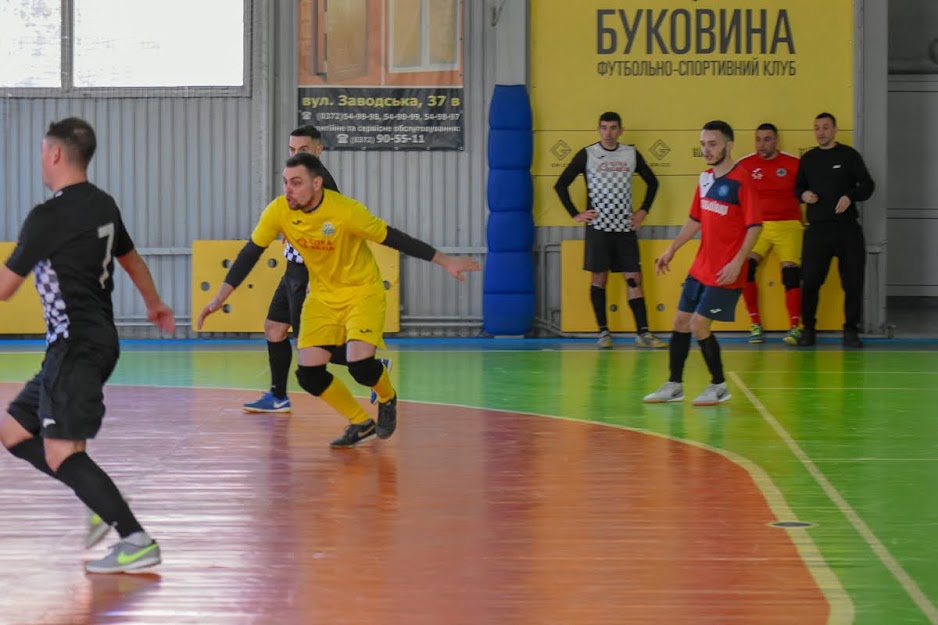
x: 338, y: 396
x: 383, y: 387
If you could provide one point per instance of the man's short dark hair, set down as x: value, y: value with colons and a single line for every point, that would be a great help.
x: 304, y: 159
x: 721, y: 127
x: 610, y: 116
x: 77, y: 138
x: 307, y: 130
x: 768, y: 126
x: 827, y: 116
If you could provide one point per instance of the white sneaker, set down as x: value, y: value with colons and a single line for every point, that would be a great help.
x: 671, y: 391
x: 605, y: 340
x: 713, y: 395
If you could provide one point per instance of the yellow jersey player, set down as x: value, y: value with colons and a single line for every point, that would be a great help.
x: 346, y: 299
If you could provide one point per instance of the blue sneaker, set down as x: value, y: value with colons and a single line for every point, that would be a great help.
x: 268, y: 403
x: 387, y: 365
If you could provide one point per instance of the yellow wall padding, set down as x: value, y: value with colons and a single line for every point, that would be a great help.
x: 662, y: 293
x: 22, y: 314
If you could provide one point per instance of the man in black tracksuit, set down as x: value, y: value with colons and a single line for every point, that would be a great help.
x: 831, y: 180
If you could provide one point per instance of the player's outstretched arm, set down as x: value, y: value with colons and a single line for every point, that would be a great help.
x: 456, y: 266
x: 10, y: 281
x: 240, y: 268
x: 158, y: 313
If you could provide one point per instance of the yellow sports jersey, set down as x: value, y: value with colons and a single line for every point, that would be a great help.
x: 332, y: 241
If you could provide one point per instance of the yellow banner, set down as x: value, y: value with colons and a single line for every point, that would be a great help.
x: 669, y: 67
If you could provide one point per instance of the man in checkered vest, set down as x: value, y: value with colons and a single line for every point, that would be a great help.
x: 611, y: 224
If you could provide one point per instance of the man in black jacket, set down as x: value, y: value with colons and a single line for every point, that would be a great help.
x: 831, y: 180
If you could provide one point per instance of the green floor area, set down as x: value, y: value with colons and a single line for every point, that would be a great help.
x: 850, y: 438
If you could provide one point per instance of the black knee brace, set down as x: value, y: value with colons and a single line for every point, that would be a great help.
x: 791, y: 277
x: 313, y: 380
x: 632, y: 282
x: 366, y: 372
x: 751, y: 274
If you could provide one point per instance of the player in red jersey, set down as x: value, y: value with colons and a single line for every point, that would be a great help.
x: 725, y: 213
x: 773, y: 178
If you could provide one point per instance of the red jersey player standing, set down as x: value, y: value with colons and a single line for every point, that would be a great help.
x: 725, y: 213
x: 773, y: 178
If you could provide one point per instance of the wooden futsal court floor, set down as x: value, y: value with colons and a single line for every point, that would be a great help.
x: 527, y: 484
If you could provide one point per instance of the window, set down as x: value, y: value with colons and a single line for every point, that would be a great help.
x: 122, y: 44
x: 424, y: 35
x: 30, y: 43
x: 913, y: 37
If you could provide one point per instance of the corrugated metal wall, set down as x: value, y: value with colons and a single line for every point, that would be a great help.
x: 203, y: 168
x: 435, y: 196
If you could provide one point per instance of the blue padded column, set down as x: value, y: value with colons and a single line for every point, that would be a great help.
x: 508, y: 290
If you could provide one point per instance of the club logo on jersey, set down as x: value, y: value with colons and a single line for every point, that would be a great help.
x: 723, y: 190
x: 781, y: 172
x: 757, y: 173
x: 328, y: 229
x: 315, y: 244
x: 614, y: 166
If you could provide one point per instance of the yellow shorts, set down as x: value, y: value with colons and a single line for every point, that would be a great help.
x: 328, y: 324
x: 785, y: 236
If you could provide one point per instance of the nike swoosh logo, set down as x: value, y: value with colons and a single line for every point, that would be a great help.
x: 127, y: 558
x: 281, y: 404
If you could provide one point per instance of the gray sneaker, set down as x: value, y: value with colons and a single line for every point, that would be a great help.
x: 127, y: 556
x: 649, y: 340
x: 671, y: 391
x: 605, y: 340
x: 97, y: 530
x: 713, y: 395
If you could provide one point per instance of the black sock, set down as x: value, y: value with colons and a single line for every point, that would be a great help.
x: 598, y: 297
x: 678, y: 349
x: 280, y: 354
x: 98, y: 492
x: 711, y: 354
x: 640, y: 313
x: 32, y: 451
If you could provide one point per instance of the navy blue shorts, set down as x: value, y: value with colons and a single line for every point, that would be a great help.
x: 712, y: 302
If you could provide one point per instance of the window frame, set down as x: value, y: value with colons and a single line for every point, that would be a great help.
x: 424, y: 41
x: 69, y: 90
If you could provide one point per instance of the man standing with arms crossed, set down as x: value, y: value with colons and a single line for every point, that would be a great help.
x: 831, y: 180
x: 773, y: 176
x: 725, y: 213
x: 611, y: 225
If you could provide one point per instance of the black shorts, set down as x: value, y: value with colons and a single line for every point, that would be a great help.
x: 66, y: 398
x: 287, y: 302
x: 611, y: 251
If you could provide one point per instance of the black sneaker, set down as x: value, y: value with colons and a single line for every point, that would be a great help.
x: 852, y: 339
x: 355, y: 433
x: 387, y: 418
x: 808, y: 338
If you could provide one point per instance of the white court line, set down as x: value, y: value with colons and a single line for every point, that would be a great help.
x: 843, y: 388
x: 889, y: 561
